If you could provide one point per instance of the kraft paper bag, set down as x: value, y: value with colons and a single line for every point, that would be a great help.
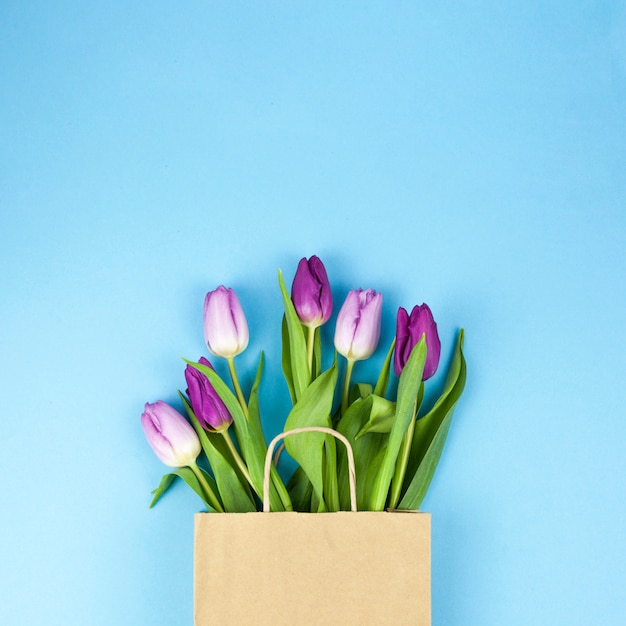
x: 344, y: 568
x: 312, y: 568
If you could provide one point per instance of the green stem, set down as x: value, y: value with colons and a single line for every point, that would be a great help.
x: 310, y: 343
x: 213, y: 501
x: 346, y: 386
x: 402, y: 462
x: 237, y: 386
x: 238, y: 460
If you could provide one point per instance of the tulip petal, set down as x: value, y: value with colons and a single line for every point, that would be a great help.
x: 367, y: 330
x: 206, y: 403
x: 409, y: 330
x: 347, y: 321
x: 225, y: 327
x: 170, y: 435
x: 311, y: 293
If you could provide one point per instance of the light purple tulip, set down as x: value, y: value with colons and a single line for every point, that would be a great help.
x: 311, y: 293
x: 225, y: 326
x: 205, y: 402
x: 409, y: 330
x: 170, y: 435
x: 358, y: 324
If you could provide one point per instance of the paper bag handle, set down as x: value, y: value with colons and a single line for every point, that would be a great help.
x: 308, y: 429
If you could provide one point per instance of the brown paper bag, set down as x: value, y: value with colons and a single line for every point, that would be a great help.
x: 312, y: 568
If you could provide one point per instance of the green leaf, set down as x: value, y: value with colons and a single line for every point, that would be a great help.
x: 420, y: 481
x: 255, y: 421
x: 331, y: 491
x: 254, y: 411
x: 186, y: 473
x: 278, y: 484
x: 232, y: 487
x: 317, y: 505
x: 286, y: 360
x: 359, y: 390
x: 431, y: 432
x: 251, y: 440
x: 381, y: 417
x: 164, y: 485
x: 312, y: 409
x: 300, y: 373
x: 453, y: 387
x: 383, y: 378
x: 300, y: 490
x: 190, y: 478
x: 408, y: 388
x: 367, y: 452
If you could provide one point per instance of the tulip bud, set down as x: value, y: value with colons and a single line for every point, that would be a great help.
x: 225, y: 326
x: 311, y: 293
x: 409, y: 330
x: 206, y: 404
x: 170, y: 435
x: 358, y: 324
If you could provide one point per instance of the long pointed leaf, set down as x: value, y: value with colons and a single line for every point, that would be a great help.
x: 331, y: 492
x: 300, y: 490
x: 186, y: 473
x: 164, y: 485
x: 190, y: 478
x: 448, y: 397
x: 431, y: 432
x: 367, y: 452
x: 312, y: 409
x: 286, y: 360
x: 408, y: 388
x: 418, y: 486
x: 300, y: 372
x: 254, y: 413
x: 253, y: 402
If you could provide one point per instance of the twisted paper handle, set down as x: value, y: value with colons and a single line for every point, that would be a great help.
x: 308, y: 429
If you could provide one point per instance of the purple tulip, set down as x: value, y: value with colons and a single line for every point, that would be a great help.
x: 358, y: 324
x: 170, y: 435
x: 409, y: 330
x: 311, y: 294
x: 206, y: 404
x: 225, y: 326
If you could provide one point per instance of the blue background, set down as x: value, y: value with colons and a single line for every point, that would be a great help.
x: 471, y: 155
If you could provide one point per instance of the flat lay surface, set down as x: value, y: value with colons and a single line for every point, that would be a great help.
x: 468, y: 155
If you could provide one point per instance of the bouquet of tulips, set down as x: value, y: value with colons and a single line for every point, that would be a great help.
x: 396, y: 444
